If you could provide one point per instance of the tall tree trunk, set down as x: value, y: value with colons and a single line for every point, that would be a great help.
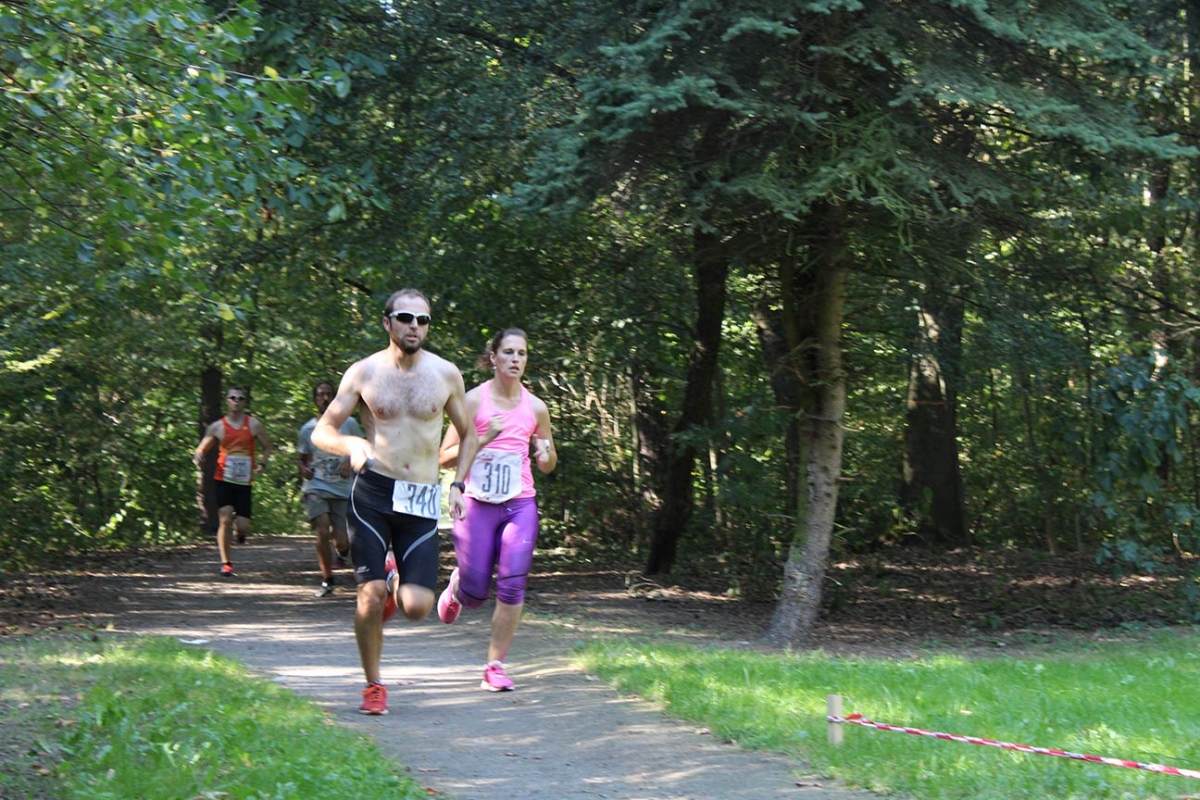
x: 710, y: 271
x: 813, y: 302
x: 652, y: 434
x: 931, y: 465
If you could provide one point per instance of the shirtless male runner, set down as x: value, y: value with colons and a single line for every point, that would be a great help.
x: 402, y: 393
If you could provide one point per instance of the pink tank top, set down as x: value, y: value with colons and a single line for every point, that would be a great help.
x: 520, y: 424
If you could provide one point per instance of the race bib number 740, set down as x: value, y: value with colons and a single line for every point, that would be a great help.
x: 418, y: 499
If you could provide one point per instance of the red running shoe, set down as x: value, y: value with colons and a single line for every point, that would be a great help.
x: 374, y: 700
x: 391, y: 606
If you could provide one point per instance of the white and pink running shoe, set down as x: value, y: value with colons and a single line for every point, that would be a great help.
x: 495, y: 679
x: 448, y: 605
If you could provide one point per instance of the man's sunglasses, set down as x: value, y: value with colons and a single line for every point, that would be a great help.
x: 239, y: 397
x: 406, y: 317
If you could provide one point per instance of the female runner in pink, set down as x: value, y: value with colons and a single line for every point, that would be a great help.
x: 499, y: 531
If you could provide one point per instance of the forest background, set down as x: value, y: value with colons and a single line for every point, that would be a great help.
x: 801, y: 280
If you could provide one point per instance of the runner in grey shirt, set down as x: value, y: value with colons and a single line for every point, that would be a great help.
x: 326, y: 491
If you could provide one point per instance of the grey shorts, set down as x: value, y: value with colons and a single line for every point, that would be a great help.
x: 319, y: 502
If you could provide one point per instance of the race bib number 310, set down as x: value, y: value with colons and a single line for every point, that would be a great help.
x: 418, y: 499
x: 495, y: 476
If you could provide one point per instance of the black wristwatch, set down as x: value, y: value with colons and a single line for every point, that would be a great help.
x: 462, y: 487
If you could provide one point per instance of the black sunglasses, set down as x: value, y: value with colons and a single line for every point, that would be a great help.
x: 237, y: 397
x: 406, y: 317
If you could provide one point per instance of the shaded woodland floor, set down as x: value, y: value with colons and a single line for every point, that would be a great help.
x: 902, y: 598
x: 894, y: 599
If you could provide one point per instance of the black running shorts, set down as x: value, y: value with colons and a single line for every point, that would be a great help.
x: 375, y: 527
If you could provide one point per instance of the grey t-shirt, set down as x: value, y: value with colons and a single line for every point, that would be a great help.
x: 327, y: 474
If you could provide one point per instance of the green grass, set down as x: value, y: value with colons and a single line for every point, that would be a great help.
x: 1138, y: 701
x: 102, y: 717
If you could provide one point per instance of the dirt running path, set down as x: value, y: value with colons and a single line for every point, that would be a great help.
x: 561, y: 735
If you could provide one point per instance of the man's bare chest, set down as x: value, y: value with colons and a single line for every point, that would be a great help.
x: 400, y: 396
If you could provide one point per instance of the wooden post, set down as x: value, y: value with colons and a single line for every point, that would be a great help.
x: 833, y: 708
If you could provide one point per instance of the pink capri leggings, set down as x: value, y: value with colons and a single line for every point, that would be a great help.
x: 497, y: 537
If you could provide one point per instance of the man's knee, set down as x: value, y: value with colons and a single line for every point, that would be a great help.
x: 371, y: 597
x: 416, y: 601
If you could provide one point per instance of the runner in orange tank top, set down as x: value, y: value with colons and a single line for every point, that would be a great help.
x: 235, y: 434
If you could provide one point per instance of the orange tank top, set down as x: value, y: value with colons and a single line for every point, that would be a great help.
x: 235, y: 459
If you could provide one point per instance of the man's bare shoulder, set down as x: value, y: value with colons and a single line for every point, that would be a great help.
x: 362, y: 370
x: 445, y: 368
x: 434, y: 361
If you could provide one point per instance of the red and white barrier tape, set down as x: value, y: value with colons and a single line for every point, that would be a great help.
x: 859, y: 719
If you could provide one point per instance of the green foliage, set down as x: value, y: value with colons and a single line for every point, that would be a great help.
x: 238, y: 192
x: 1146, y: 416
x: 1026, y: 425
x: 923, y: 125
x: 138, y: 123
x: 1145, y: 421
x: 114, y: 307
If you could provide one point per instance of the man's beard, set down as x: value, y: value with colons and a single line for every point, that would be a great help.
x: 409, y: 349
